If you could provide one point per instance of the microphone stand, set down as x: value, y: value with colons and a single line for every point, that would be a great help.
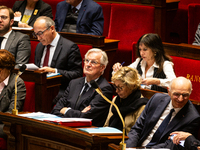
x: 122, y: 144
x: 21, y: 70
x: 15, y: 111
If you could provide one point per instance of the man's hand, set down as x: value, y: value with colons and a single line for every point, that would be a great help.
x: 86, y: 109
x: 48, y: 69
x: 63, y: 110
x: 17, y: 14
x: 180, y: 135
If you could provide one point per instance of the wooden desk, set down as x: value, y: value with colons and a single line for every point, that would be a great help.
x: 85, y: 39
x: 29, y: 134
x: 46, y: 89
x: 182, y: 50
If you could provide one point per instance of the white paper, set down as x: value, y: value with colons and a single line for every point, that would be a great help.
x: 32, y: 66
x: 19, y: 28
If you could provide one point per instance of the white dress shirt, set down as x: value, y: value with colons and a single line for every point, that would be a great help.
x: 167, y: 69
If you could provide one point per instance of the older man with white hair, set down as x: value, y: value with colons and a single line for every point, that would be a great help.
x: 80, y: 99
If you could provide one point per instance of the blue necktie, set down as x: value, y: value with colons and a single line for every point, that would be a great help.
x: 160, y: 130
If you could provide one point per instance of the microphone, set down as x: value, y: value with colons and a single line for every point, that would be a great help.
x: 98, y: 90
x: 21, y: 70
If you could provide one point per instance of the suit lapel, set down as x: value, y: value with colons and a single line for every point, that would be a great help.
x: 175, y: 123
x: 57, y: 52
x: 10, y: 40
x: 35, y: 11
x: 82, y: 11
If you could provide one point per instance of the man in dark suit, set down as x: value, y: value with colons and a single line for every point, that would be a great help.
x: 40, y: 8
x: 63, y: 56
x: 184, y: 118
x: 87, y: 18
x: 15, y: 42
x: 80, y: 100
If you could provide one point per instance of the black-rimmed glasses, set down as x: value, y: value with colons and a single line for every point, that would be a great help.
x: 40, y: 33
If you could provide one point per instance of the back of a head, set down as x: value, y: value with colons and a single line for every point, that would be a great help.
x: 7, y: 60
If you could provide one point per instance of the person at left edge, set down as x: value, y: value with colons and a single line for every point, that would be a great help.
x: 64, y: 56
x: 79, y: 103
x: 7, y: 86
x: 15, y: 42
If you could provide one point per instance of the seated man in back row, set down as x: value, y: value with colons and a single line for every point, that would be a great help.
x: 164, y: 114
x: 79, y: 94
x: 55, y: 54
x: 79, y: 16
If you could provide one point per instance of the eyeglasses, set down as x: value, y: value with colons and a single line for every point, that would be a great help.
x: 118, y: 87
x: 40, y: 33
x: 92, y: 62
x: 177, y: 95
x: 3, y: 17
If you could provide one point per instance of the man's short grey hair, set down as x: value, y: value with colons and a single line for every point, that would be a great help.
x: 170, y: 85
x: 49, y: 22
x: 104, y: 57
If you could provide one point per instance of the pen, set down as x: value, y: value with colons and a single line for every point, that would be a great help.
x: 122, y: 63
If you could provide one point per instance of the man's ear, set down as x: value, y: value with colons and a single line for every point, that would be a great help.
x: 11, y: 22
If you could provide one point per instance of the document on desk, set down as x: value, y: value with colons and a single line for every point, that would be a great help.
x: 101, y: 130
x: 70, y: 122
x: 31, y: 66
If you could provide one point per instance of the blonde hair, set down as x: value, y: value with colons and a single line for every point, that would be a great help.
x: 128, y: 76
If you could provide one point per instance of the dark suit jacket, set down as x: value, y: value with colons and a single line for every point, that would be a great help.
x: 99, y: 106
x: 19, y: 45
x: 66, y: 59
x: 43, y: 8
x: 7, y: 96
x: 187, y: 119
x: 90, y: 18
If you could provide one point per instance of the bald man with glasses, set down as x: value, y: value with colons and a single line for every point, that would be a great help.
x: 55, y: 54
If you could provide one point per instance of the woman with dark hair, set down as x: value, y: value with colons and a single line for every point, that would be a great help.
x: 153, y: 65
x: 7, y: 86
x: 129, y: 99
x: 29, y: 10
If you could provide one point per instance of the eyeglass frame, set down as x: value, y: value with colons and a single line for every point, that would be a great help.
x: 6, y: 17
x: 184, y: 95
x: 41, y: 32
x: 118, y: 87
x: 93, y: 62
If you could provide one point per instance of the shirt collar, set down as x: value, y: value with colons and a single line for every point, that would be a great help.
x: 89, y: 82
x: 175, y: 109
x: 78, y: 6
x: 6, y: 80
x: 143, y: 63
x: 7, y: 34
x: 55, y: 40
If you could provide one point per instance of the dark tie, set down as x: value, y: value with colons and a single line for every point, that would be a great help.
x: 84, y: 91
x: 74, y: 9
x: 160, y: 130
x: 46, y: 58
x: 1, y: 39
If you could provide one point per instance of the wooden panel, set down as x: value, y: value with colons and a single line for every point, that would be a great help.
x: 29, y: 134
